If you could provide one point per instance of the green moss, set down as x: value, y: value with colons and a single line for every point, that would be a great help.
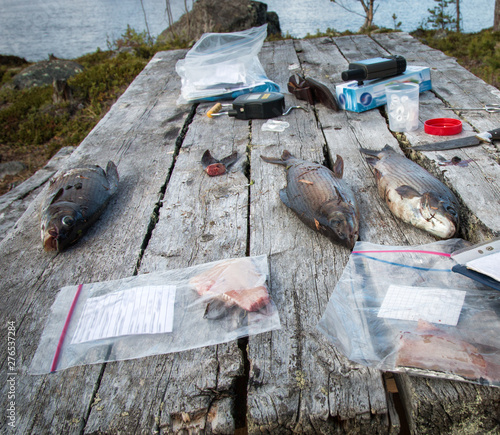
x: 478, y: 52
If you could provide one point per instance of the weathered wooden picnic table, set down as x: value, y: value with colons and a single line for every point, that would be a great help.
x: 169, y: 214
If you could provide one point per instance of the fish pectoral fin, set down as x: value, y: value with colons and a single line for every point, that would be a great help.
x: 338, y: 167
x: 408, y: 192
x: 207, y: 159
x: 284, y: 198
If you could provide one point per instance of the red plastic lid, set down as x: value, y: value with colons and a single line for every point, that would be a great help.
x: 443, y: 126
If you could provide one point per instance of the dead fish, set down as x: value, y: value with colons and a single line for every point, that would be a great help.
x: 73, y: 202
x: 414, y: 195
x: 320, y: 198
x: 214, y: 167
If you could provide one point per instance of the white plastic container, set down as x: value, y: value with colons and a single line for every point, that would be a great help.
x: 402, y: 106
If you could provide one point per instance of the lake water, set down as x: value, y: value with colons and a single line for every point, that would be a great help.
x: 69, y: 28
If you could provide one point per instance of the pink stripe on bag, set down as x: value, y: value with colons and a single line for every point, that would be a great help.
x: 444, y: 254
x: 65, y: 330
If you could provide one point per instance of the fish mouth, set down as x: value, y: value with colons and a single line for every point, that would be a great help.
x: 50, y: 240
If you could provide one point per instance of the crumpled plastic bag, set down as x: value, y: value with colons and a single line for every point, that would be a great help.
x: 402, y: 309
x: 223, y: 66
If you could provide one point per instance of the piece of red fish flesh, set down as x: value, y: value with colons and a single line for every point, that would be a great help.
x: 433, y: 349
x: 237, y: 281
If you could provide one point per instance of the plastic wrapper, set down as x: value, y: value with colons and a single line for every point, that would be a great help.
x: 402, y: 309
x: 223, y: 66
x: 157, y: 313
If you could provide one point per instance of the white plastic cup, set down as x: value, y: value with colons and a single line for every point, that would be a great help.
x: 402, y: 106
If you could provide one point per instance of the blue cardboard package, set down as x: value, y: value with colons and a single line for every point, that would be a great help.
x: 359, y: 98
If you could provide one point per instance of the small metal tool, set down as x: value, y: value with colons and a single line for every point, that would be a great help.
x: 490, y: 108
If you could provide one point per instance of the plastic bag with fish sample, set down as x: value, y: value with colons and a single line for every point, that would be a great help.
x: 402, y: 309
x: 157, y: 313
x: 224, y: 66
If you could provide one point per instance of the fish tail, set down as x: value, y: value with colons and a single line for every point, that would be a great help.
x: 373, y: 153
x: 278, y: 160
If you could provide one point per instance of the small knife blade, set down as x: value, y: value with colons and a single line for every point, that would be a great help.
x: 463, y: 142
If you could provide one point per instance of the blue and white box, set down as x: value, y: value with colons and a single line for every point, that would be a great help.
x: 359, y: 98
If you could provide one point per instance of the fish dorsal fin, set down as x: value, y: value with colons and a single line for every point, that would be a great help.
x: 286, y: 155
x: 408, y: 192
x: 112, y: 176
x: 338, y: 167
x: 229, y: 160
x: 388, y: 148
x: 57, y: 195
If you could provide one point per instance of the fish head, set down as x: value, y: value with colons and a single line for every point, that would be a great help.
x: 441, y: 214
x: 340, y: 225
x: 61, y: 226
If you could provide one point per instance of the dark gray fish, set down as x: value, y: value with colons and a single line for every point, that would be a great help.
x: 414, y: 195
x: 320, y: 198
x: 214, y: 167
x: 73, y: 202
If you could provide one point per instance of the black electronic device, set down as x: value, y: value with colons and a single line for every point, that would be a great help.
x: 376, y: 68
x: 260, y: 105
x: 263, y: 105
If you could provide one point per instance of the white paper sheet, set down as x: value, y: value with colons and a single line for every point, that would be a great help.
x: 487, y: 265
x: 435, y: 305
x: 139, y: 310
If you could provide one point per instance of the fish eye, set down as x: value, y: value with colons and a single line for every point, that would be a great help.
x: 67, y: 221
x: 336, y: 223
x: 451, y: 210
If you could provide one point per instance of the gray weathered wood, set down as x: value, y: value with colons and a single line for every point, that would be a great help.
x: 298, y: 382
x: 136, y: 135
x: 169, y: 214
x: 15, y: 202
x: 200, y: 217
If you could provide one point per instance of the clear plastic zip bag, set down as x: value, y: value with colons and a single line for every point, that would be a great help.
x: 157, y: 313
x: 402, y: 309
x: 223, y: 66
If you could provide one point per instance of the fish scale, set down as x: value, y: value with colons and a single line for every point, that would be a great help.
x: 320, y: 198
x: 413, y: 194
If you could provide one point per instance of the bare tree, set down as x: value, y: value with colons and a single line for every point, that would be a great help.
x: 368, y: 7
x: 496, y: 21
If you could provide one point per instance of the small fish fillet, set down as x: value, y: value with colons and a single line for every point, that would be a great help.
x: 237, y: 281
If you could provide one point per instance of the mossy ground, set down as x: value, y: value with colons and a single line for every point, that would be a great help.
x: 33, y: 128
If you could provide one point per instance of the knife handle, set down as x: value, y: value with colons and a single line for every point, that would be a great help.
x: 495, y: 134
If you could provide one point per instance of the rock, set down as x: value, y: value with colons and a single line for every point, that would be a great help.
x: 12, y: 61
x: 221, y: 16
x: 46, y: 72
x: 11, y: 168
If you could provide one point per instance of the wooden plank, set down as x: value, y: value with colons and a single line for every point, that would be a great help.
x: 298, y: 381
x: 15, y: 202
x: 457, y: 87
x: 435, y: 405
x: 135, y: 134
x: 201, y: 219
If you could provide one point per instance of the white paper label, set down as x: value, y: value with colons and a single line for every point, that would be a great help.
x: 435, y: 305
x: 139, y: 310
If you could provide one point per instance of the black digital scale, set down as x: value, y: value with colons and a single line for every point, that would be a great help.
x: 261, y: 105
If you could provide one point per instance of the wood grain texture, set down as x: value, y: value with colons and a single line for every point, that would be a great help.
x: 169, y: 214
x: 140, y: 146
x: 298, y: 381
